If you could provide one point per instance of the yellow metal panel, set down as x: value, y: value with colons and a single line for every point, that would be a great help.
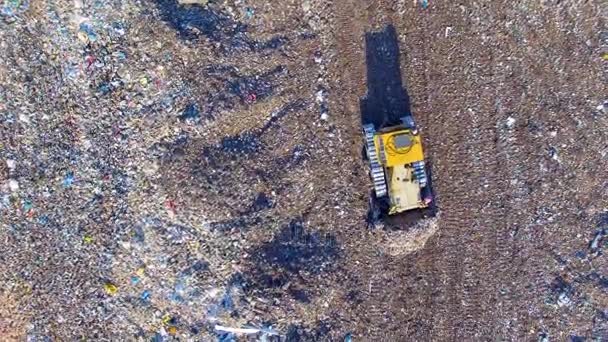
x: 399, y: 156
x: 404, y: 191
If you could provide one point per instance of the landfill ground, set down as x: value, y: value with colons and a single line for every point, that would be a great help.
x: 176, y: 172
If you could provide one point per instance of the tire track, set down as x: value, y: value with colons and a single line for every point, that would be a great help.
x: 470, y: 232
x: 455, y: 257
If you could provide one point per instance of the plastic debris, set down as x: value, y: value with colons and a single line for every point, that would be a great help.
x: 88, y: 239
x: 448, y: 30
x: 13, y: 185
x: 193, y: 2
x: 564, y: 300
x: 167, y: 319
x: 553, y: 153
x: 595, y: 243
x: 603, y: 107
x: 68, y: 179
x: 158, y: 337
x: 27, y: 205
x: 11, y: 164
x: 145, y: 296
x: 87, y: 32
x: 249, y: 12
x: 246, y: 331
x: 510, y: 122
x: 43, y: 219
x: 110, y: 289
x: 12, y: 8
x: 251, y: 98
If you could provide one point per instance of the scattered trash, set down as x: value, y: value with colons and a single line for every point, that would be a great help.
x: 249, y: 12
x: 306, y: 6
x: 158, y: 337
x: 87, y: 32
x: 193, y: 2
x: 110, y: 288
x: 144, y: 81
x: 605, y: 56
x: 246, y: 331
x: 596, y: 243
x: 13, y: 185
x: 562, y: 291
x: 11, y: 164
x: 170, y: 205
x: 553, y: 154
x: 12, y: 8
x: 88, y: 239
x: 167, y: 319
x: 145, y: 296
x: 321, y: 98
x: 138, y: 235
x: 563, y: 299
x: 172, y: 330
x: 43, y: 219
x: 602, y: 108
x: 251, y: 98
x: 27, y: 205
x: 424, y: 3
x: 447, y: 31
x: 348, y: 338
x: 510, y: 122
x: 68, y: 179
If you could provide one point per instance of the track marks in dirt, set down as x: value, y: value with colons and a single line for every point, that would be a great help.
x: 467, y: 79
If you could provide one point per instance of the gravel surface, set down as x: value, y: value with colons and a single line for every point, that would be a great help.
x: 175, y: 171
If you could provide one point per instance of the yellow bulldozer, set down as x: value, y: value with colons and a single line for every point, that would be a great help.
x: 397, y: 166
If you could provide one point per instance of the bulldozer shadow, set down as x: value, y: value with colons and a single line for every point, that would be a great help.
x: 386, y: 100
x: 384, y: 104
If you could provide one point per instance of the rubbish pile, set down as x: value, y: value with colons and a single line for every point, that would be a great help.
x: 147, y: 159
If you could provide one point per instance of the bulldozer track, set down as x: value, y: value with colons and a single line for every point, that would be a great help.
x: 376, y: 312
x: 461, y: 263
